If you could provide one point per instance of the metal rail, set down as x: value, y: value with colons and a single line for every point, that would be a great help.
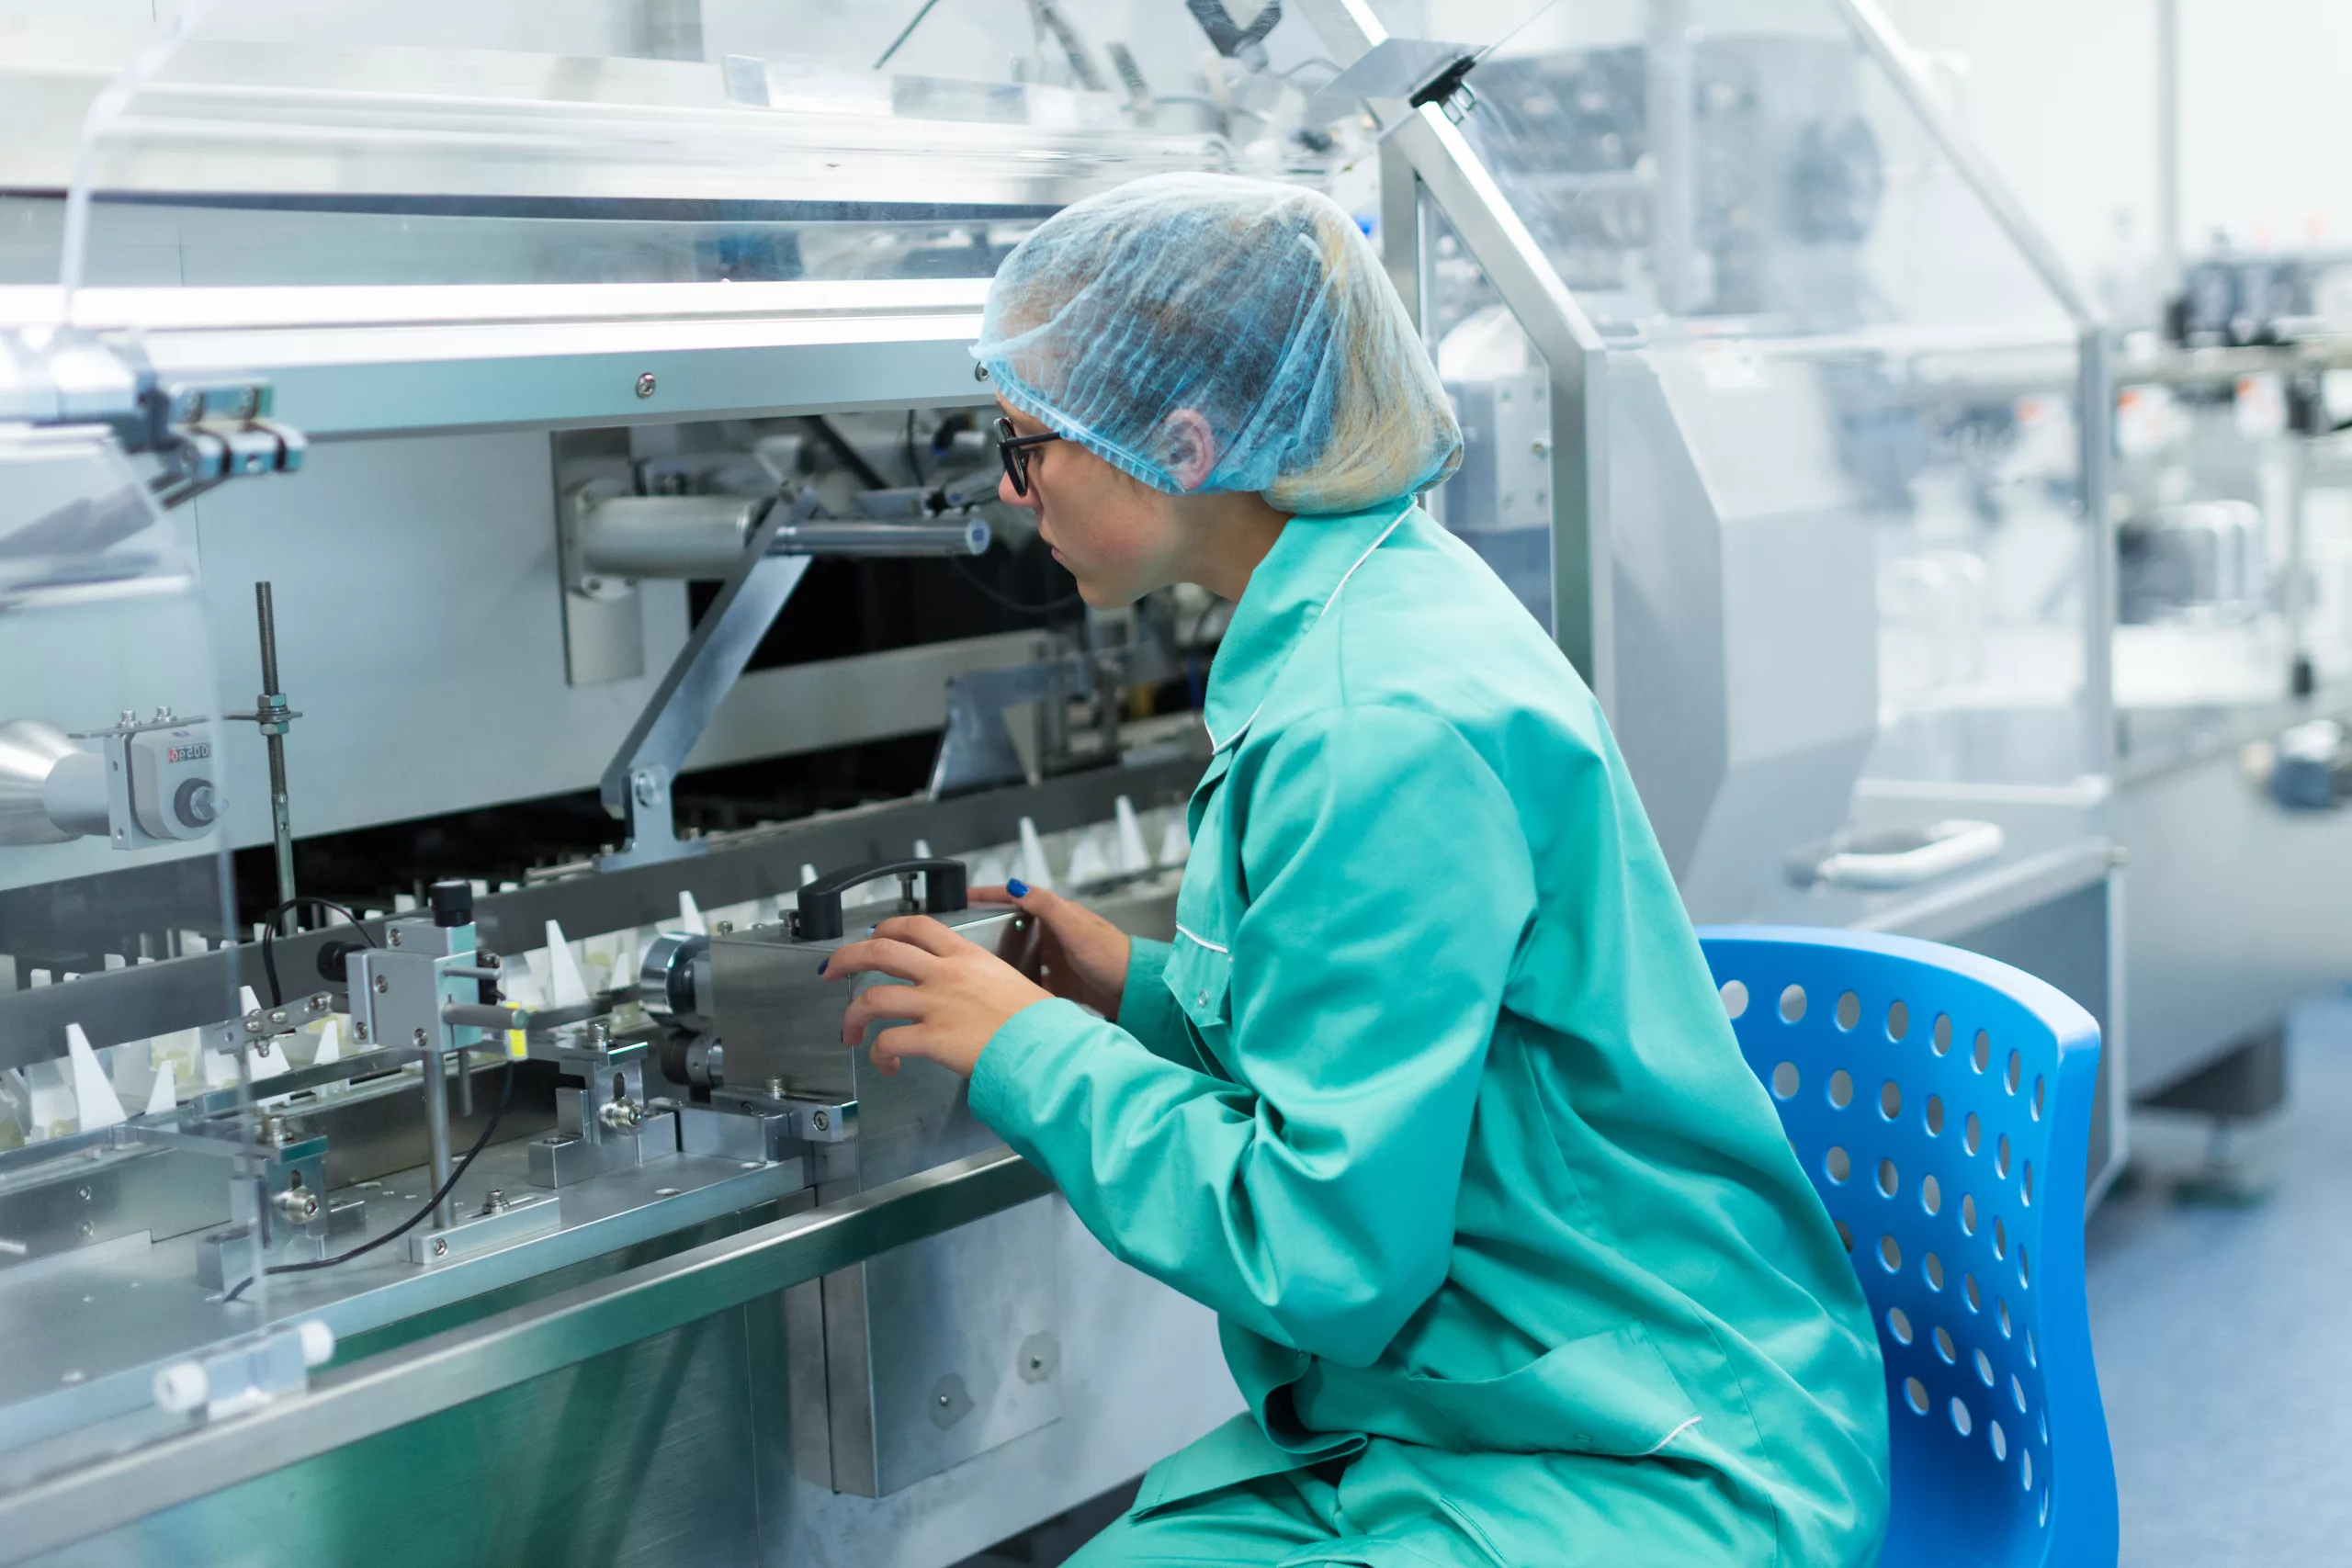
x: 513, y: 1347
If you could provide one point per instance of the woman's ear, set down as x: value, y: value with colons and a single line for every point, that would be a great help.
x: 1188, y: 448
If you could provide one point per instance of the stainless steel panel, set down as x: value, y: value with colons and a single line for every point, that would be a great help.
x: 2235, y: 909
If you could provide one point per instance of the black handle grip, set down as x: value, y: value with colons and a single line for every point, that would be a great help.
x: 819, y: 917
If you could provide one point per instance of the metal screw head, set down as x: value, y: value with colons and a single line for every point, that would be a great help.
x: 823, y: 1121
x: 646, y: 786
x: 277, y: 1015
x: 600, y: 1033
x: 645, y: 385
x: 88, y: 1229
x: 493, y: 1201
x: 943, y: 1402
x: 393, y: 937
x: 725, y: 928
x: 776, y: 1088
x: 359, y: 1028
x: 440, y: 1247
x: 82, y: 1194
x: 382, y: 985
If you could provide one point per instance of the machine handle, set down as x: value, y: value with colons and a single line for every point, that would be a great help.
x: 819, y: 915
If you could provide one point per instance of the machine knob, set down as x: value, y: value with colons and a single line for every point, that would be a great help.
x: 666, y: 981
x: 453, y: 902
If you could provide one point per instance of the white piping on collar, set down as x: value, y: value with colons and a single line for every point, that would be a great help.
x: 1201, y: 940
x: 1670, y: 1436
x: 1243, y: 727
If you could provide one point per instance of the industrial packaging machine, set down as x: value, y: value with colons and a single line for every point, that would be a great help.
x: 499, y: 566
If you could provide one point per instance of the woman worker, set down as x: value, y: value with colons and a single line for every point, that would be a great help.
x: 1431, y: 1099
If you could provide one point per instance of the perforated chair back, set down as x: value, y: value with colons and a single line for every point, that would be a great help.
x: 1941, y: 1104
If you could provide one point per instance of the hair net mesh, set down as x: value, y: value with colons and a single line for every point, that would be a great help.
x: 1260, y: 306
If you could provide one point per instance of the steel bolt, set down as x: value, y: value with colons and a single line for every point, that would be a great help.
x: 776, y: 1088
x: 645, y: 385
x: 277, y: 1015
x: 647, y: 788
x: 493, y: 1201
x: 823, y: 1121
x: 82, y: 1194
x: 393, y: 937
x: 440, y: 1247
x: 382, y: 985
x: 359, y: 1028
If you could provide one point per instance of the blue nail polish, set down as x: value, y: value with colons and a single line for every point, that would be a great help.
x: 823, y: 964
x: 1017, y: 887
x: 872, y: 929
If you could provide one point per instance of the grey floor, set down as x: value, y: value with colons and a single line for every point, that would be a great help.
x: 2225, y: 1336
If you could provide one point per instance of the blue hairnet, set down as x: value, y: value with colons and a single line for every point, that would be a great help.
x: 1259, y: 306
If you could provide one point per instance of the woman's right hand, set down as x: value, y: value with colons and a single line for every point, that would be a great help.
x: 1064, y: 947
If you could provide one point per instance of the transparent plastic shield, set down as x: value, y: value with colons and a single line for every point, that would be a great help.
x: 283, y: 145
x: 1852, y: 597
x: 130, y: 1167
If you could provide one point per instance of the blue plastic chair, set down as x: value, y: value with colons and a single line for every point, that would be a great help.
x: 1941, y: 1104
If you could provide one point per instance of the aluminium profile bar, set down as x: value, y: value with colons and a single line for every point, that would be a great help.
x: 460, y: 1366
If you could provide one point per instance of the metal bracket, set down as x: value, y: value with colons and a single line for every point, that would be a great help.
x: 636, y: 785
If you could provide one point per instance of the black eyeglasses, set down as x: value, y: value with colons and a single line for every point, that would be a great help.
x: 1014, y: 448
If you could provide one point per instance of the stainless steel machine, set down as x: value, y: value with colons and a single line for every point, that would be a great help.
x: 428, y: 1141
x: 422, y: 1135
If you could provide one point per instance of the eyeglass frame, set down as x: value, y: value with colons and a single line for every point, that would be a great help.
x: 1013, y: 449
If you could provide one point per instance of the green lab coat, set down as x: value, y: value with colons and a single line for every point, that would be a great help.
x: 1433, y: 1102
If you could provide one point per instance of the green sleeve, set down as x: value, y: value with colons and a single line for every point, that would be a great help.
x: 1313, y: 1202
x: 1148, y: 1012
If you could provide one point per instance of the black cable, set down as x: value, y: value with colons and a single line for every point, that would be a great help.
x: 505, y: 1098
x: 269, y: 930
x: 1006, y: 600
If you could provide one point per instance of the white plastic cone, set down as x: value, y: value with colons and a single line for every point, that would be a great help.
x: 1132, y: 856
x: 94, y: 1097
x: 1087, y: 864
x: 163, y: 1093
x: 566, y: 985
x: 1032, y: 867
x: 922, y: 849
x: 690, y: 916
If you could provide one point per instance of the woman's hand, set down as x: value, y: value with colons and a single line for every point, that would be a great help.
x: 1076, y: 953
x: 958, y: 994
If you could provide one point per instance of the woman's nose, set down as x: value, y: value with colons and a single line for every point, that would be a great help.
x: 1007, y: 494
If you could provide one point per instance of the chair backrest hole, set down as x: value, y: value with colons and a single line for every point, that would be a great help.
x: 1961, y: 1422
x: 2025, y: 1274
x: 1890, y: 1253
x: 1889, y: 1178
x: 1841, y: 1089
x: 2001, y: 1157
x: 1837, y: 1163
x: 1792, y: 1004
x: 1933, y: 1267
x: 1968, y: 1289
x: 1898, y: 1020
x: 2000, y: 1238
x: 1915, y: 1395
x: 1968, y: 1213
x: 2017, y: 1392
x: 1786, y: 1080
x: 2046, y: 1507
x: 2000, y: 1439
x: 1982, y: 1056
x: 2025, y: 1468
x: 1944, y: 1346
x: 1984, y: 1368
x: 2025, y: 1184
x: 2036, y: 1097
x: 1890, y: 1099
x: 1846, y: 1235
x: 2001, y: 1311
x: 1734, y: 996
x: 1931, y: 1194
x: 2016, y: 1071
x: 1934, y: 1115
x: 1850, y: 1011
x: 1941, y: 1037
x: 1973, y: 1133
x: 2032, y: 1353
x: 1898, y: 1323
